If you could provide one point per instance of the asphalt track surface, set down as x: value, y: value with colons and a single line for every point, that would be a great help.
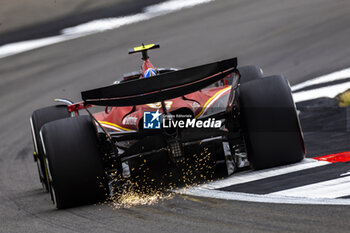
x: 298, y: 38
x: 41, y: 18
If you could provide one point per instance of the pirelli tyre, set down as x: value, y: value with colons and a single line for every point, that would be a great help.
x: 76, y: 173
x: 37, y: 120
x: 271, y: 126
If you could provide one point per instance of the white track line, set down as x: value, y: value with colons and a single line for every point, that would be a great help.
x: 277, y: 199
x: 322, y: 193
x: 258, y: 175
x: 338, y: 75
x: 328, y: 189
x: 328, y: 91
x: 100, y: 25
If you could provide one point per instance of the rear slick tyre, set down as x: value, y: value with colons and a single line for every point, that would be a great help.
x: 271, y: 126
x: 76, y: 172
x: 249, y: 73
x: 37, y: 120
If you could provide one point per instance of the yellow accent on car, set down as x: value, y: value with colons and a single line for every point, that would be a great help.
x: 209, y: 101
x: 117, y: 126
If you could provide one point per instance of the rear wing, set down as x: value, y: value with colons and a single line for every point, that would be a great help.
x: 160, y: 87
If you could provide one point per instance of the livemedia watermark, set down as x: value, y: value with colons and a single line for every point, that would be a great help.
x: 157, y: 120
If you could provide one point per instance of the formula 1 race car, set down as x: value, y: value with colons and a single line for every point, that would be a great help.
x: 164, y: 119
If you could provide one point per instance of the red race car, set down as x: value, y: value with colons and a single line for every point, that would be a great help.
x: 163, y: 119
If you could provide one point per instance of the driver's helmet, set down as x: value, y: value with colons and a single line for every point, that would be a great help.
x: 149, y: 73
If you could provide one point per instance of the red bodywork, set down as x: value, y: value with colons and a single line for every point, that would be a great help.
x: 128, y: 118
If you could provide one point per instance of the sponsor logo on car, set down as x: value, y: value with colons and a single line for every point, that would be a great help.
x: 158, y: 105
x: 195, y: 105
x: 130, y: 120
